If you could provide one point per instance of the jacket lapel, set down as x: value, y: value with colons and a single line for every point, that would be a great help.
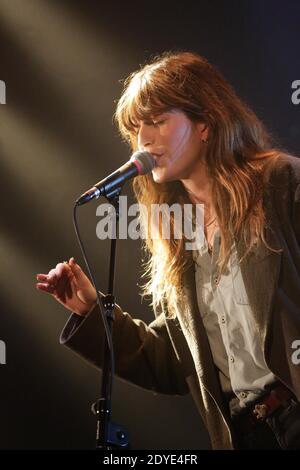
x: 191, y: 323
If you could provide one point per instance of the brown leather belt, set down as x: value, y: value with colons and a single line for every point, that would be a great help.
x: 263, y: 407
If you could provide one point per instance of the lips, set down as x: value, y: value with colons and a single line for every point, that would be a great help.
x: 156, y: 154
x: 157, y: 157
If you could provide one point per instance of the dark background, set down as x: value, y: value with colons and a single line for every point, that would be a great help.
x: 62, y: 62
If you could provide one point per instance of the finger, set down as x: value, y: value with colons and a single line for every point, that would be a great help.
x: 62, y: 269
x: 69, y: 288
x: 60, y: 297
x: 61, y: 286
x: 42, y: 277
x: 55, y: 275
x: 46, y: 287
x: 76, y: 269
x: 64, y: 275
x: 64, y: 291
x: 69, y: 291
x: 52, y: 278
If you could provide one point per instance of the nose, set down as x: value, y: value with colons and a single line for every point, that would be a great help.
x: 145, y: 136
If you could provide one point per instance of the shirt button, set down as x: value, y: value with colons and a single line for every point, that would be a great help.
x: 243, y: 394
x: 231, y: 358
x: 223, y: 320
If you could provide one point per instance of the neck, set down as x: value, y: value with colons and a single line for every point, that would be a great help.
x: 198, y: 188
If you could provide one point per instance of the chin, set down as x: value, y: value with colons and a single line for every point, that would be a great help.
x: 161, y: 175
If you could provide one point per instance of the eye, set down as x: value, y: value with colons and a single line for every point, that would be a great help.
x: 149, y: 122
x: 158, y: 122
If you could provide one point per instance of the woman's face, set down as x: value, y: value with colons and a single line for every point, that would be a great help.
x: 175, y: 142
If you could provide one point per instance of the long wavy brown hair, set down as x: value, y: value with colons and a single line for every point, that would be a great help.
x: 237, y: 154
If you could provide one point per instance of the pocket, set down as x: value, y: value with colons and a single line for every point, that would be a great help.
x: 259, y: 254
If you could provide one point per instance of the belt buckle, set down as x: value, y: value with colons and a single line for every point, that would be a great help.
x: 261, y: 411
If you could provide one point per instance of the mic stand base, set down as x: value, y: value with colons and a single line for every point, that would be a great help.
x: 117, y: 437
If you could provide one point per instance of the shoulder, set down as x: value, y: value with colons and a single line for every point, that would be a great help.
x: 282, y: 184
x: 283, y: 172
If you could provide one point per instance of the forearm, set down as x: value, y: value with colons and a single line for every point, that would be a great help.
x: 143, y: 353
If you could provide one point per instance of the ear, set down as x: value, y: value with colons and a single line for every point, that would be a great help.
x: 203, y: 131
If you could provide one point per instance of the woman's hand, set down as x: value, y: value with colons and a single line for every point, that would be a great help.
x: 69, y: 285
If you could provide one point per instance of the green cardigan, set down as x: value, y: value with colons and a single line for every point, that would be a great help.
x: 173, y: 356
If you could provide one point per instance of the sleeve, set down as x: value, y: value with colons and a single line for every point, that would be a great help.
x: 144, y: 354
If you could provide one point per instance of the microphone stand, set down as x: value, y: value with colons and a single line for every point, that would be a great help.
x: 109, y: 435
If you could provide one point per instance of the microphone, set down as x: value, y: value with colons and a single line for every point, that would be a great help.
x: 140, y: 163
